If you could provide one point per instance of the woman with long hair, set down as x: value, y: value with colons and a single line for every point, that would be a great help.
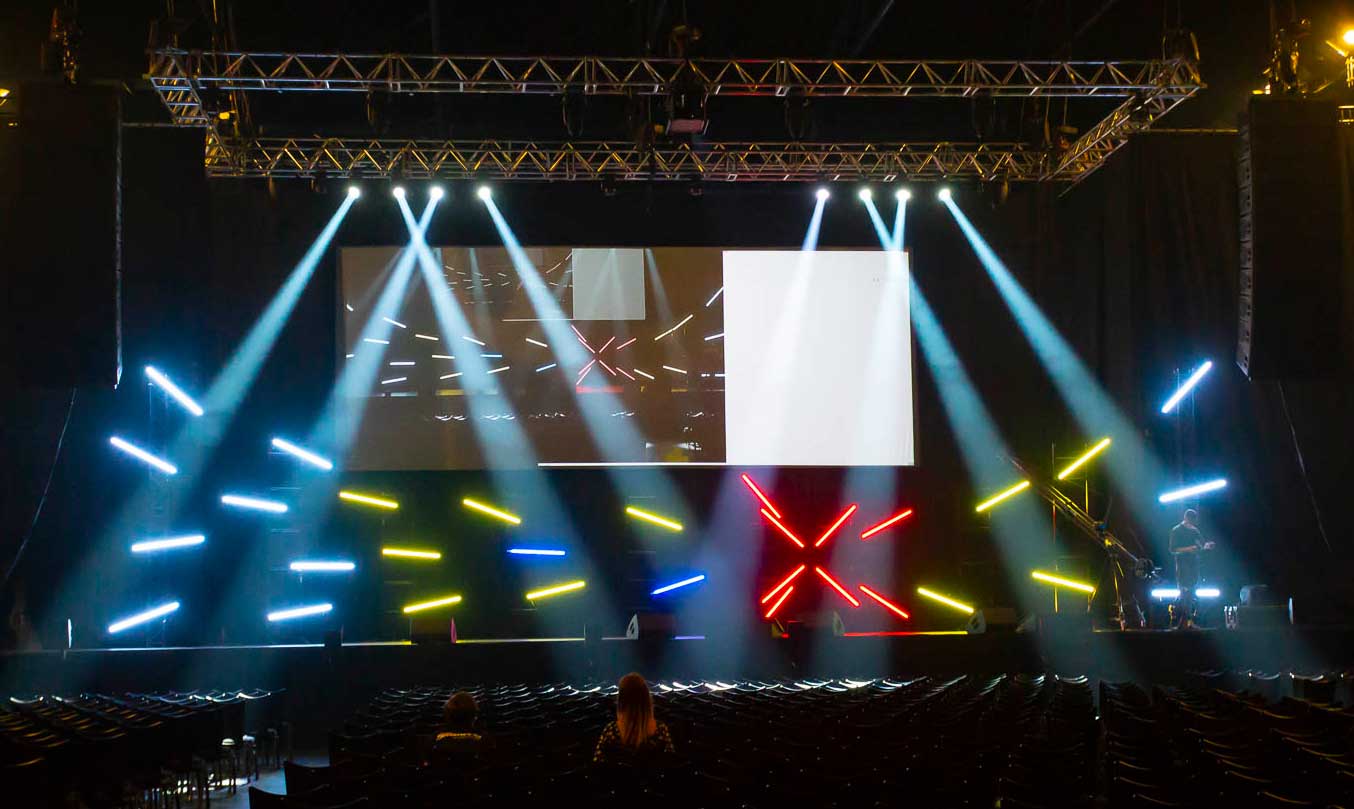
x: 635, y: 733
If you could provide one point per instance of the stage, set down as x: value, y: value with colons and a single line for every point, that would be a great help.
x: 358, y: 669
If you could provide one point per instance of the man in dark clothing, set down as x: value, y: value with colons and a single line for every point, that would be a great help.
x: 1187, y: 542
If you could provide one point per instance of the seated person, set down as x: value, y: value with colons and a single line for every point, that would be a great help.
x: 458, y: 735
x: 635, y: 734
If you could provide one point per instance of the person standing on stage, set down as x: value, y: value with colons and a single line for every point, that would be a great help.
x: 1187, y: 542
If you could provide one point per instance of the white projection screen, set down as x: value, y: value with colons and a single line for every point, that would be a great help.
x: 817, y: 358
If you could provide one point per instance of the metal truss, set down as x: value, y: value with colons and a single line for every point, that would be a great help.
x: 595, y: 160
x: 1146, y: 89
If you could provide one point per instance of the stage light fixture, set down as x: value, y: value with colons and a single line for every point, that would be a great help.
x: 512, y: 519
x: 545, y: 367
x: 368, y: 500
x: 354, y: 192
x: 779, y: 601
x: 760, y: 495
x: 822, y: 194
x: 142, y: 617
x: 254, y: 503
x: 865, y: 194
x: 876, y: 528
x: 1207, y: 592
x: 300, y: 612
x: 1000, y: 496
x: 410, y: 553
x: 944, y: 194
x: 832, y: 529
x: 1190, y: 491
x: 667, y: 588
x: 304, y: 454
x: 1166, y: 592
x: 315, y: 566
x: 1088, y: 455
x: 537, y: 343
x: 1059, y: 581
x: 436, y: 192
x: 1187, y: 386
x: 786, y: 531
x: 902, y: 195
x: 398, y: 191
x: 641, y: 514
x: 784, y: 583
x: 484, y: 193
x: 168, y: 543
x: 888, y: 605
x: 536, y: 552
x: 683, y: 322
x: 643, y: 374
x: 436, y: 602
x: 1348, y: 36
x: 555, y: 590
x: 174, y: 391
x: 850, y: 599
x: 946, y: 600
x: 141, y: 455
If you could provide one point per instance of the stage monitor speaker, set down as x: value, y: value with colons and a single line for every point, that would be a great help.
x: 809, y: 623
x: 652, y: 626
x: 1269, y: 617
x: 64, y: 245
x: 993, y: 619
x: 1291, y: 297
x: 1259, y: 595
x: 431, y: 629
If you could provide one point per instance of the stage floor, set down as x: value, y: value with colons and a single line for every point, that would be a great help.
x: 1158, y: 656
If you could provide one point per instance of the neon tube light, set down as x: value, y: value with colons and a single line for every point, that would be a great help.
x: 719, y: 336
x: 683, y: 322
x: 1190, y: 491
x: 141, y: 455
x: 299, y: 612
x: 874, y: 529
x: 450, y: 376
x: 255, y: 503
x: 437, y: 602
x: 402, y: 363
x: 500, y: 370
x: 1207, y: 592
x: 1187, y: 386
x: 779, y: 601
x: 375, y: 340
x: 674, y: 370
x: 760, y: 495
x: 427, y: 337
x: 608, y: 342
x: 304, y: 454
x: 784, y: 583
x: 586, y: 368
x: 536, y: 551
x: 491, y: 511
x: 835, y: 586
x: 150, y: 545
x: 714, y: 297
x: 1011, y: 492
x: 786, y: 531
x: 889, y: 605
x: 667, y: 588
x: 308, y: 566
x: 142, y: 617
x: 641, y: 373
x: 832, y: 529
x: 556, y: 590
x: 626, y: 373
x: 537, y: 343
x: 410, y: 553
x: 174, y: 391
x: 441, y: 357
x: 1058, y: 581
x: 579, y: 334
x: 394, y: 380
x: 1166, y: 592
x: 368, y: 500
x: 1089, y: 454
x: 641, y: 514
x: 394, y: 322
x: 545, y: 367
x: 947, y: 601
x: 606, y: 367
x: 472, y: 340
x: 626, y: 343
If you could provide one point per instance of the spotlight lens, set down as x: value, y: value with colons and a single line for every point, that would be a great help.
x: 944, y: 194
x: 864, y: 194
x: 436, y: 192
x: 1348, y: 36
x: 354, y: 191
x: 903, y: 194
x: 823, y: 194
x: 484, y: 192
x: 398, y: 191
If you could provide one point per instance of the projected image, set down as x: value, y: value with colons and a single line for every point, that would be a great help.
x: 661, y: 355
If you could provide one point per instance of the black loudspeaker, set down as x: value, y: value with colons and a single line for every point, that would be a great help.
x: 1291, y: 303
x: 1269, y: 617
x: 64, y: 268
x: 1258, y: 595
x: 652, y: 626
x: 431, y: 629
x: 810, y: 623
x: 993, y: 619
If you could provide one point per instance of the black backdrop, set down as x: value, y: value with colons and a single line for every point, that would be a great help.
x: 1137, y: 267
